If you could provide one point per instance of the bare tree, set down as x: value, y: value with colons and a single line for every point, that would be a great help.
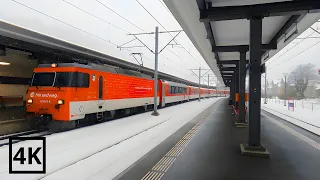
x: 300, y: 78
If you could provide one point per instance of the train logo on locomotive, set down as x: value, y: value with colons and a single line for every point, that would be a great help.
x: 47, y: 95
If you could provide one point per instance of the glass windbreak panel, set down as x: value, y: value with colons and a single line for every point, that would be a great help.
x: 43, y: 79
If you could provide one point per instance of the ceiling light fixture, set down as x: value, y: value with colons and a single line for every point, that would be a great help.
x: 4, y: 63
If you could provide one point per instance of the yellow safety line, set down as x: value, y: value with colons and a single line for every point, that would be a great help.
x: 165, y: 162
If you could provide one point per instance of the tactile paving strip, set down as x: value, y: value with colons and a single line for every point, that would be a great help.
x: 164, y: 164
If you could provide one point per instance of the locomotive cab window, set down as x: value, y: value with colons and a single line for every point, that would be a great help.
x: 60, y: 79
x: 81, y: 80
x: 43, y: 79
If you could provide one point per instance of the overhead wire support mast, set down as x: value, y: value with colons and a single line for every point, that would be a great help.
x: 167, y: 30
x: 209, y: 83
x: 160, y: 32
x: 199, y: 77
x: 156, y: 52
x: 155, y: 105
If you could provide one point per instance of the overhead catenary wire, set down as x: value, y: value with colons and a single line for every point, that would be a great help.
x: 108, y: 41
x: 271, y: 63
x: 298, y: 53
x: 115, y: 25
x: 79, y: 28
x: 95, y: 16
x: 70, y: 25
x: 162, y: 3
x: 166, y: 30
x: 166, y: 66
x: 138, y: 28
x: 297, y: 43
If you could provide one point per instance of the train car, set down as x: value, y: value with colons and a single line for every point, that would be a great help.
x: 172, y: 92
x: 67, y: 92
x: 212, y: 93
x: 193, y: 93
x: 60, y: 95
x: 204, y: 92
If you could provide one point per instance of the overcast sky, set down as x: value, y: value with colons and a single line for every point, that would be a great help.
x: 303, y: 50
x: 102, y: 25
x: 105, y: 25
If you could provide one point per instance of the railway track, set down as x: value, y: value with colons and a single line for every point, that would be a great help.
x: 11, y: 121
x: 4, y: 140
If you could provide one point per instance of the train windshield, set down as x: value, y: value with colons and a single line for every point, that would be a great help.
x: 61, y: 79
x: 43, y: 79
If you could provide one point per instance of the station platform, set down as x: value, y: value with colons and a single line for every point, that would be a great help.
x: 12, y: 120
x: 12, y: 113
x: 208, y: 147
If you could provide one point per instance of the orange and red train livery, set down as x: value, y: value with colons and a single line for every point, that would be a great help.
x: 62, y: 94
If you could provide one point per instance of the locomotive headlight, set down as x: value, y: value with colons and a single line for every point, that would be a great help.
x: 60, y: 102
x: 29, y: 101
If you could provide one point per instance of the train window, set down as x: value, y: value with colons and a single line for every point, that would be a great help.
x: 43, y: 79
x: 82, y: 80
x: 63, y: 79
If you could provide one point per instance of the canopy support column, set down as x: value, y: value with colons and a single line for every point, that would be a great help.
x: 241, y: 121
x: 254, y: 146
x: 236, y: 85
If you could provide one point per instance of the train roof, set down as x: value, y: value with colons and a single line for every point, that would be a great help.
x: 101, y: 67
x: 112, y: 69
x: 175, y: 84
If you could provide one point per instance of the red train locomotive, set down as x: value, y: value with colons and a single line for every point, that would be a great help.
x: 62, y: 94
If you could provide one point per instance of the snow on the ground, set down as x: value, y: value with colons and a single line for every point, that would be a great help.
x: 104, y: 150
x: 305, y: 118
x: 312, y: 104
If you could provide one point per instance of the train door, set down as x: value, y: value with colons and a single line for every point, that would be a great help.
x: 163, y: 103
x: 188, y: 94
x: 100, y: 93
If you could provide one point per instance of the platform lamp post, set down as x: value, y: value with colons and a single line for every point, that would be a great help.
x: 285, y: 88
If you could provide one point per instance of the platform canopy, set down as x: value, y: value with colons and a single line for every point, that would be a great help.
x: 219, y: 29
